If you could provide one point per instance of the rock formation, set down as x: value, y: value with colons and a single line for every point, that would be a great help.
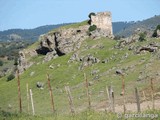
x: 62, y: 41
x: 23, y: 64
x: 66, y: 40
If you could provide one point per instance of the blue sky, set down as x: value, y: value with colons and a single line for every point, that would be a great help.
x: 34, y: 13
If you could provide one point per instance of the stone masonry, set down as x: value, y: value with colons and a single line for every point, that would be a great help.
x: 103, y: 21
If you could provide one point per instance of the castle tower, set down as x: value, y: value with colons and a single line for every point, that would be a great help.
x: 103, y: 20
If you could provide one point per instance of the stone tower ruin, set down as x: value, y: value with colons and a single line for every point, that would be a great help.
x: 103, y: 21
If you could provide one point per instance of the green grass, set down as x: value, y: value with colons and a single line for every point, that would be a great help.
x: 85, y: 115
x: 65, y: 73
x: 75, y: 25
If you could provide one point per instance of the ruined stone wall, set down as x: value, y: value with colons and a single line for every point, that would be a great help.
x: 103, y: 20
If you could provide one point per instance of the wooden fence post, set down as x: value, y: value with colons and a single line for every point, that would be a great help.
x: 87, y: 90
x: 123, y: 93
x: 152, y: 93
x: 144, y: 96
x: 111, y: 94
x: 19, y: 92
x: 109, y: 99
x: 27, y: 98
x: 32, y: 102
x: 51, y: 94
x: 137, y: 100
x: 70, y: 99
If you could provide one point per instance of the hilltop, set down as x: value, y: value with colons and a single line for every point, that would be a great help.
x: 119, y: 28
x: 68, y: 52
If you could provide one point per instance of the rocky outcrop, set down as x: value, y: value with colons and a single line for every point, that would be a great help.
x: 62, y: 42
x: 152, y: 47
x: 88, y: 60
x: 50, y: 55
x: 74, y: 57
x: 23, y: 64
x: 67, y: 40
x: 148, y: 48
x: 98, y: 33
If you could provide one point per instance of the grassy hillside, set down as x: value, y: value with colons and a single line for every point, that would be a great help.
x: 64, y: 73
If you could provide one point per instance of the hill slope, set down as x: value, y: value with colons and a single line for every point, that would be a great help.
x: 138, y: 68
x: 119, y: 28
x: 148, y: 25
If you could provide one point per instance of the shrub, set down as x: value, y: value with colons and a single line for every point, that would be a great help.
x: 155, y: 31
x: 92, y: 28
x: 92, y: 13
x: 10, y: 77
x: 15, y: 61
x: 1, y: 63
x: 142, y: 36
x: 89, y: 22
x: 158, y: 27
x: 117, y: 37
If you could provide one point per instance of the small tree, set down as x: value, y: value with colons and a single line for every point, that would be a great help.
x: 142, y: 36
x: 91, y: 14
x: 92, y: 28
x: 10, y: 77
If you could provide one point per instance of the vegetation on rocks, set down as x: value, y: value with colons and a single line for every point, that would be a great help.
x: 92, y: 13
x: 92, y: 28
x: 10, y: 77
x: 142, y: 36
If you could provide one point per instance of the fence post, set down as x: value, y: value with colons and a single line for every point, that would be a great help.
x: 144, y: 96
x: 152, y: 93
x: 19, y: 92
x: 32, y: 102
x: 27, y: 98
x: 51, y: 94
x: 70, y: 99
x: 87, y: 90
x: 109, y: 99
x: 137, y: 100
x: 111, y: 94
x: 123, y: 93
